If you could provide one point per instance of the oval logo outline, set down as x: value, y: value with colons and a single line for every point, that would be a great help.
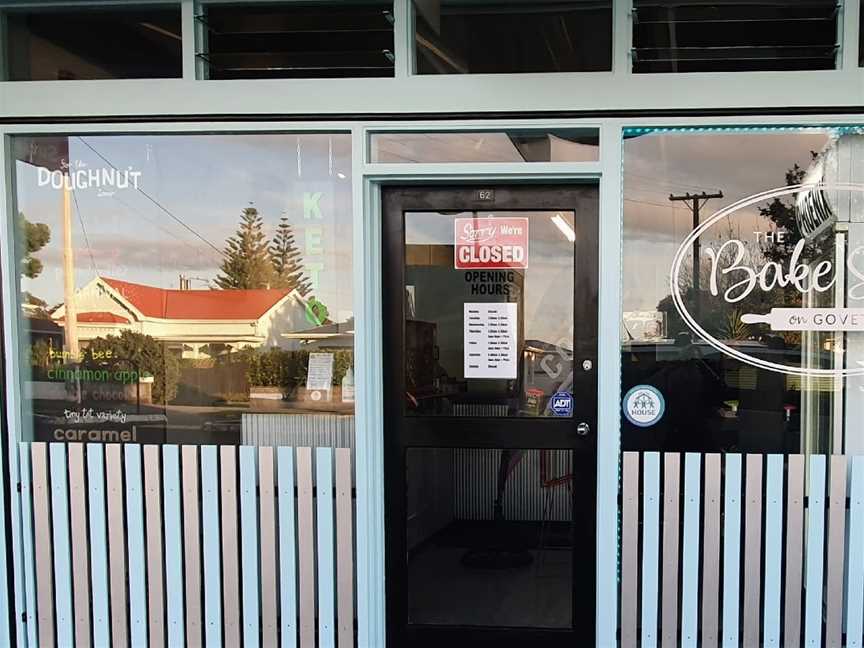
x: 686, y: 247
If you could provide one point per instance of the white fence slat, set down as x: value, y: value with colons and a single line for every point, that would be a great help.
x: 690, y: 552
x: 731, y: 550
x: 287, y: 548
x: 172, y: 527
x: 63, y: 615
x: 650, y: 547
x: 211, y: 549
x: 137, y: 576
x: 773, y: 550
x: 99, y: 566
x: 814, y: 567
x: 249, y: 545
x: 324, y: 556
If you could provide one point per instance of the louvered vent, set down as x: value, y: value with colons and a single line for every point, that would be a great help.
x: 734, y: 35
x: 297, y: 40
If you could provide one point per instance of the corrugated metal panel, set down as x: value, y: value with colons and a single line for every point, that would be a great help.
x: 475, y: 479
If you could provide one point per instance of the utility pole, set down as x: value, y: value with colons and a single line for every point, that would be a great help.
x: 71, y: 311
x: 695, y: 202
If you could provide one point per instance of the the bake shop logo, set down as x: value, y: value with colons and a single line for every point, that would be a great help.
x: 79, y: 175
x: 757, y: 288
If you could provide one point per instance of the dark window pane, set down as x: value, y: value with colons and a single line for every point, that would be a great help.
x: 564, y: 145
x: 860, y: 40
x: 502, y: 37
x: 276, y: 41
x: 490, y: 537
x: 733, y: 35
x: 115, y: 43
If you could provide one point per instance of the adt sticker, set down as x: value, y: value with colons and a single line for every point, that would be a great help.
x: 562, y: 404
x: 644, y: 405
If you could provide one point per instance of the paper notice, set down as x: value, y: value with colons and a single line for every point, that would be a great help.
x: 490, y: 340
x: 320, y: 373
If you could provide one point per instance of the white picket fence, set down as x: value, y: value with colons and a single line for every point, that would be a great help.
x: 187, y: 545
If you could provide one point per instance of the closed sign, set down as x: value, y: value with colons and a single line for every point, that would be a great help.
x: 490, y: 243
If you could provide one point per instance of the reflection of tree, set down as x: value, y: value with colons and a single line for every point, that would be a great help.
x: 287, y: 262
x: 782, y: 215
x: 144, y: 353
x: 247, y: 260
x: 36, y: 236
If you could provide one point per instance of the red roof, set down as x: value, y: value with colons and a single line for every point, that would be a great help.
x: 100, y: 317
x: 197, y: 304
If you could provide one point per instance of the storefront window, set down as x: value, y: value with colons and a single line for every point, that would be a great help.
x: 761, y: 348
x: 170, y: 284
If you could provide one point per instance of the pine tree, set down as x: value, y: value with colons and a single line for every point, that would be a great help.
x: 287, y: 262
x: 247, y: 262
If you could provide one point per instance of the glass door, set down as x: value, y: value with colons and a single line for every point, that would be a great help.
x: 490, y: 331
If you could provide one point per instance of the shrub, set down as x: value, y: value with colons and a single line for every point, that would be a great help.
x: 142, y: 353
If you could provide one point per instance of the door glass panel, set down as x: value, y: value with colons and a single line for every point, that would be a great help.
x: 489, y: 313
x: 490, y: 537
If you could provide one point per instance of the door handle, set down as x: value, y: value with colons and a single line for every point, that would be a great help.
x: 583, y: 429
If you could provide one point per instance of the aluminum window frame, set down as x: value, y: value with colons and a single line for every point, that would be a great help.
x: 367, y: 178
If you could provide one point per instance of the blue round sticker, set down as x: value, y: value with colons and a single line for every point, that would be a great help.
x: 562, y: 404
x: 643, y: 405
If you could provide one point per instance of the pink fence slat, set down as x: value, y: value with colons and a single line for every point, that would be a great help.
x: 630, y: 550
x: 230, y: 546
x: 269, y: 572
x: 80, y: 553
x: 344, y: 549
x: 671, y: 556
x: 42, y: 545
x: 306, y: 547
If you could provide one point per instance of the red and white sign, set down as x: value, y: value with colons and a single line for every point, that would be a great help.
x: 490, y: 243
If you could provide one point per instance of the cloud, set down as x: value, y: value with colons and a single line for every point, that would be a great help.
x: 118, y: 255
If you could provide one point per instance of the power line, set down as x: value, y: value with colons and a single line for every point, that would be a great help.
x: 84, y: 229
x: 648, y: 202
x: 158, y: 225
x: 152, y: 199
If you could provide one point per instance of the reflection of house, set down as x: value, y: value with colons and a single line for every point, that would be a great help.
x: 188, y: 320
x: 45, y: 330
x: 327, y: 336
